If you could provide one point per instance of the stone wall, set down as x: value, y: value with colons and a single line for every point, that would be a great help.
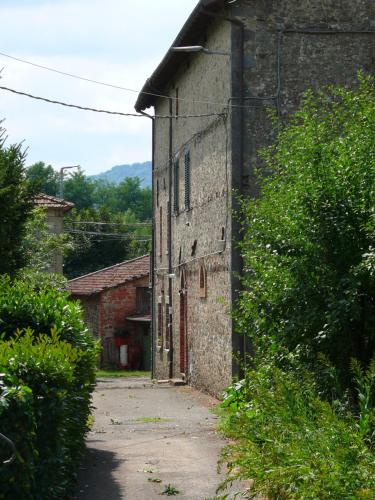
x: 280, y: 65
x: 201, y: 232
x: 295, y: 45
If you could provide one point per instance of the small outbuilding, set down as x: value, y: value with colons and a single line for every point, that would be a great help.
x: 117, y: 307
x: 55, y: 209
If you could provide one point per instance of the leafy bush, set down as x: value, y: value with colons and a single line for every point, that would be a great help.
x: 304, y: 415
x: 291, y: 443
x: 308, y: 241
x: 49, y: 361
x: 17, y: 421
x: 57, y: 405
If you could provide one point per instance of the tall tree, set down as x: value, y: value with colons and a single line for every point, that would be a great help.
x: 44, y: 178
x: 79, y: 190
x: 15, y: 205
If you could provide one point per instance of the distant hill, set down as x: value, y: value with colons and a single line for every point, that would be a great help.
x: 119, y: 172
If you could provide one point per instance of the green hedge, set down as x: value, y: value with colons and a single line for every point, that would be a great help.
x: 48, y: 362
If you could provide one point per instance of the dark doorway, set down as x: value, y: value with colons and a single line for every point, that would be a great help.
x: 183, y: 327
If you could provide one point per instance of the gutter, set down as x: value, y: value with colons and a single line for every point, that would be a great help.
x: 170, y: 264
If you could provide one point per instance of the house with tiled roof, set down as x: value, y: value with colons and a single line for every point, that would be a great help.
x: 117, y: 309
x: 55, y: 209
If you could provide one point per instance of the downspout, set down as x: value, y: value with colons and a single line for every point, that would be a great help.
x: 238, y: 343
x: 170, y: 263
x: 152, y: 255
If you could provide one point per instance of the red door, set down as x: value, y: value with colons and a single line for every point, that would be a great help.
x: 183, y: 327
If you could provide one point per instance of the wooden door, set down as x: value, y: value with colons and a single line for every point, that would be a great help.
x: 183, y: 327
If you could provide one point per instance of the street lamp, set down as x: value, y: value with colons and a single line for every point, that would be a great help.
x: 199, y: 48
x: 62, y: 169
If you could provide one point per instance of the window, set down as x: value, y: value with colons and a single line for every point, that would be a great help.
x: 177, y: 103
x: 160, y: 232
x: 167, y: 326
x: 143, y: 300
x: 187, y: 180
x: 202, y: 282
x: 160, y: 322
x: 176, y: 178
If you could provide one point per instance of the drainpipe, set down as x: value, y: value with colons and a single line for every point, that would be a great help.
x: 170, y: 264
x: 152, y: 255
x: 238, y: 343
x: 152, y: 258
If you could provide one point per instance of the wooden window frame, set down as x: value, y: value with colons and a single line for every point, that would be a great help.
x: 187, y: 169
x: 202, y: 282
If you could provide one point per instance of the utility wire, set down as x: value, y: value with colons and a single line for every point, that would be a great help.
x: 118, y: 87
x: 143, y: 224
x: 95, y: 110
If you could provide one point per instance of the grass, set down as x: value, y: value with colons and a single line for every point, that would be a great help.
x: 153, y: 420
x: 112, y: 373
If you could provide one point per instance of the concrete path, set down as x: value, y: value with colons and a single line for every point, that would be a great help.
x: 148, y: 436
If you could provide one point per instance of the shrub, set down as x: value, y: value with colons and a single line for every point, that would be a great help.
x: 46, y: 351
x: 56, y: 405
x: 291, y: 443
x: 308, y: 241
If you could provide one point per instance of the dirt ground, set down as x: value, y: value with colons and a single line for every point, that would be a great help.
x: 146, y: 437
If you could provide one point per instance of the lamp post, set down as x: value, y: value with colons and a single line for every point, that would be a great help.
x: 199, y: 48
x: 62, y: 169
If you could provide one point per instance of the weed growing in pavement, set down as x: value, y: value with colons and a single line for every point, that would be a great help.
x: 170, y: 491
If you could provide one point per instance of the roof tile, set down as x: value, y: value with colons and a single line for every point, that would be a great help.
x: 110, y: 277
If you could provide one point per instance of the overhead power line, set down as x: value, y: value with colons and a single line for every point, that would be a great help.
x: 143, y: 224
x: 114, y: 86
x: 95, y: 110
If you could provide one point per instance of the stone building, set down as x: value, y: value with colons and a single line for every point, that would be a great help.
x: 210, y: 98
x: 55, y: 209
x: 117, y: 308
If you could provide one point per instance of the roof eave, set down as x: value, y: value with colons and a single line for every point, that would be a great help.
x: 153, y: 85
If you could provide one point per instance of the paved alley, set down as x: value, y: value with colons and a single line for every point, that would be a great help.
x: 148, y: 438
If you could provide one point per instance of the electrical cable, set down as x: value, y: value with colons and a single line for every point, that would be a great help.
x: 119, y: 87
x: 95, y: 110
x: 142, y: 224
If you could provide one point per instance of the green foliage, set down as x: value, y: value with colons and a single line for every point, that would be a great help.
x: 42, y: 309
x: 102, y: 245
x: 304, y: 414
x: 291, y: 443
x: 48, y: 361
x: 39, y: 245
x: 43, y: 178
x: 51, y: 418
x: 17, y: 421
x: 308, y: 242
x: 15, y: 205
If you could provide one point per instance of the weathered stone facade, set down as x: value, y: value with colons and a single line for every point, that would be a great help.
x: 276, y: 50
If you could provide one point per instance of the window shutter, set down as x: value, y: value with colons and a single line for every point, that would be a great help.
x: 187, y: 180
x: 176, y: 201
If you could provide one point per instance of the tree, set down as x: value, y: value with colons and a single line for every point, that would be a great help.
x: 309, y: 241
x: 102, y: 238
x: 44, y: 178
x: 39, y: 245
x: 79, y: 190
x: 15, y: 205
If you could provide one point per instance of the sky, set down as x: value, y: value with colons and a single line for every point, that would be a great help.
x: 117, y: 41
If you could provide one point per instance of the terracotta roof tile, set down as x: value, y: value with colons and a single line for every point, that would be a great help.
x: 47, y: 201
x: 110, y: 277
